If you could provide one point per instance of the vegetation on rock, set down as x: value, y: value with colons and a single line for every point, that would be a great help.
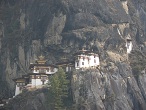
x: 58, y: 90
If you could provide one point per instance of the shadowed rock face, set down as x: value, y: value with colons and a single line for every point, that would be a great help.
x: 109, y: 90
x: 108, y: 11
x: 60, y: 27
x: 29, y: 100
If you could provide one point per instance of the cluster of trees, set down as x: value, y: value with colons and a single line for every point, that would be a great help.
x: 58, y: 90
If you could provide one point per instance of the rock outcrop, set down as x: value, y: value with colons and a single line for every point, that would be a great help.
x: 34, y: 99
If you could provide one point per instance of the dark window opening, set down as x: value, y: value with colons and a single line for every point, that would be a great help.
x: 52, y: 69
x: 42, y: 71
x: 47, y: 69
x: 82, y: 63
x: 94, y: 61
x: 83, y: 58
x: 77, y: 64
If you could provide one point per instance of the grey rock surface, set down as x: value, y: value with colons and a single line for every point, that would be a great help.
x: 29, y: 100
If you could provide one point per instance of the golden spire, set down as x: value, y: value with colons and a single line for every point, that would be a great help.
x: 41, y: 60
x: 41, y: 57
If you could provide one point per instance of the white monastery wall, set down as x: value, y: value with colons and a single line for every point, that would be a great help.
x: 129, y: 46
x: 17, y: 90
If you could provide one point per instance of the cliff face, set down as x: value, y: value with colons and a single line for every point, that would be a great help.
x: 116, y: 90
x: 55, y: 28
x: 29, y: 100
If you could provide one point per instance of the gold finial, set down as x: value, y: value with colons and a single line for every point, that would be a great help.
x: 41, y: 57
x: 41, y: 60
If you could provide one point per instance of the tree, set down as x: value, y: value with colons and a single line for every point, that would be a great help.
x: 59, y: 89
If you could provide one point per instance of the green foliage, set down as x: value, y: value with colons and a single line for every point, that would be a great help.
x: 58, y: 89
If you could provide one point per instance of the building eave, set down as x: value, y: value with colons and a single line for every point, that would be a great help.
x: 65, y: 63
x: 40, y: 73
x: 19, y: 79
x: 44, y: 65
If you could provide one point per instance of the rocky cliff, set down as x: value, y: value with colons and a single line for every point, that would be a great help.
x: 56, y: 28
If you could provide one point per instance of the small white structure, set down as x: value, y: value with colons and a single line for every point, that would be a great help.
x: 37, y: 77
x: 41, y: 67
x: 40, y: 71
x: 129, y: 44
x: 86, y: 59
x: 20, y: 83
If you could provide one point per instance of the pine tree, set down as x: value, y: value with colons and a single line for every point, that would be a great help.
x: 63, y: 82
x: 59, y: 89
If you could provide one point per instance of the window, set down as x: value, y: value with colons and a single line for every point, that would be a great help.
x: 52, y: 69
x: 18, y: 84
x: 47, y: 69
x: 37, y: 76
x: 77, y: 63
x: 94, y: 61
x: 41, y: 70
x: 82, y: 63
x: 83, y: 58
x: 70, y: 68
x: 43, y: 78
x: 33, y: 76
x: 23, y: 84
x: 35, y: 69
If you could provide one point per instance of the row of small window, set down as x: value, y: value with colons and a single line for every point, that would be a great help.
x: 38, y: 77
x: 44, y: 70
x: 21, y: 84
x: 83, y: 63
x: 85, y: 58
